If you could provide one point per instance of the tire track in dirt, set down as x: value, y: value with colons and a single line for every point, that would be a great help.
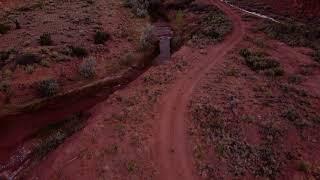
x: 172, y: 146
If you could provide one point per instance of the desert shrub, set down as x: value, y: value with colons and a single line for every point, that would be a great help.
x: 18, y: 26
x: 48, y: 87
x: 147, y: 38
x: 214, y: 26
x: 4, y: 87
x: 138, y: 7
x: 293, y: 34
x: 27, y: 59
x: 87, y: 68
x: 141, y: 8
x: 132, y: 166
x: 259, y: 62
x: 29, y: 69
x: 45, y: 39
x: 245, y: 52
x: 4, y: 28
x: 4, y: 55
x: 101, y: 37
x: 291, y: 114
x: 78, y: 51
x: 6, y: 73
x: 45, y: 63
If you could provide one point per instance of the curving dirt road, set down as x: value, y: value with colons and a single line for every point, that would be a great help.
x: 172, y: 146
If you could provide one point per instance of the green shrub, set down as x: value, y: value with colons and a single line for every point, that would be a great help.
x: 48, y: 87
x: 79, y: 51
x: 293, y: 34
x: 259, y: 62
x: 214, y: 26
x: 45, y: 40
x: 4, y: 28
x: 87, y: 68
x: 101, y: 37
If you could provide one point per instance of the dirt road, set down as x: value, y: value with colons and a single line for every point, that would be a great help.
x: 172, y: 147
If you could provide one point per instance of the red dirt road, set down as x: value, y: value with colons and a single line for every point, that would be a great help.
x: 172, y: 147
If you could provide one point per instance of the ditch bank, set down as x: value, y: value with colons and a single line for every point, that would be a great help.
x: 21, y: 123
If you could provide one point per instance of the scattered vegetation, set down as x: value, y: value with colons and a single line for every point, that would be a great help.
x: 87, y: 68
x: 4, y: 28
x: 258, y: 61
x: 141, y: 8
x: 52, y: 136
x: 45, y: 40
x: 208, y: 117
x: 214, y: 26
x: 48, y: 87
x: 101, y: 37
x: 293, y: 34
x: 78, y: 51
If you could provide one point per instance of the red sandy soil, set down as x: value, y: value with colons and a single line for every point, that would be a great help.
x: 66, y: 28
x: 153, y: 128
